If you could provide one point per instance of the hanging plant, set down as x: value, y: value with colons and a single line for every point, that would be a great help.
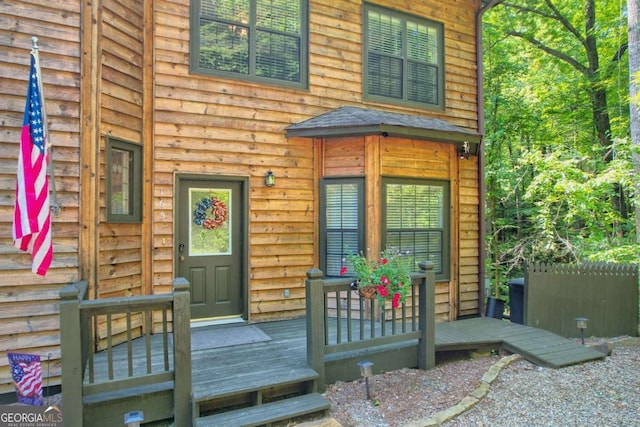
x: 387, y: 279
x: 210, y: 213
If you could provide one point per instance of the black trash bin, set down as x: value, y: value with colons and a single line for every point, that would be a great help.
x: 516, y: 300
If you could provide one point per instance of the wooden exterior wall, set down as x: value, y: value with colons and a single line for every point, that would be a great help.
x: 28, y: 302
x: 205, y: 125
x: 121, y: 68
x: 469, y: 237
x: 121, y: 96
x: 120, y: 246
x: 404, y: 158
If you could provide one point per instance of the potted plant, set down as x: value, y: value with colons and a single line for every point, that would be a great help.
x: 386, y: 279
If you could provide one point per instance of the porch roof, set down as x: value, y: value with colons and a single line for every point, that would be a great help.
x: 354, y: 121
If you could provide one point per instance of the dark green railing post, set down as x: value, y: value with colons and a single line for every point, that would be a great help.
x: 181, y: 352
x: 315, y: 324
x: 71, y: 354
x: 427, y: 317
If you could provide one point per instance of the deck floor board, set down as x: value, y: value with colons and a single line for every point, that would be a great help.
x: 536, y: 345
x: 219, y: 370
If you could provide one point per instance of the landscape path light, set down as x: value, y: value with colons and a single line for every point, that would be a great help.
x: 366, y: 370
x: 582, y: 325
x: 133, y: 418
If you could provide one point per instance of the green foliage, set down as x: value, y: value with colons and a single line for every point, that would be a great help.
x: 555, y: 193
x: 389, y: 275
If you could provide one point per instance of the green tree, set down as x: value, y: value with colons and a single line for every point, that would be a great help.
x: 557, y: 153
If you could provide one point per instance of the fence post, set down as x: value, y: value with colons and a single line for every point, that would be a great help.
x: 427, y: 317
x: 71, y: 355
x: 182, y: 352
x: 315, y: 324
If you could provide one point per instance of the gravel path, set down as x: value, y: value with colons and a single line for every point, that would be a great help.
x: 602, y: 393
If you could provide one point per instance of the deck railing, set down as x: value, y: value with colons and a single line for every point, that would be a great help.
x: 343, y: 327
x: 89, y: 324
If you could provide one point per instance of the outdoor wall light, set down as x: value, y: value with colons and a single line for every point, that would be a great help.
x: 366, y: 370
x: 463, y: 151
x: 582, y: 325
x: 269, y: 179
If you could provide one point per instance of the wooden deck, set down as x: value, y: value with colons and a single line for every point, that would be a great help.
x: 536, y: 345
x: 286, y: 351
x: 242, y: 374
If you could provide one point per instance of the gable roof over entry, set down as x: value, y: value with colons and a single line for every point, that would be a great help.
x: 353, y: 121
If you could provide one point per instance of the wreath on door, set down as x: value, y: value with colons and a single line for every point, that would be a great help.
x: 210, y: 213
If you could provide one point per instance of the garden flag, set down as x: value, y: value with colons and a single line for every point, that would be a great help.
x: 32, y: 215
x: 26, y: 371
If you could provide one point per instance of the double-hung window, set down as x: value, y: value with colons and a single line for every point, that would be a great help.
x: 403, y: 58
x: 341, y: 222
x: 259, y: 40
x: 416, y: 221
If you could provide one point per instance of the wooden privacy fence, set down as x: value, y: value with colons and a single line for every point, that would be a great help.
x: 344, y: 328
x: 99, y: 391
x: 606, y: 294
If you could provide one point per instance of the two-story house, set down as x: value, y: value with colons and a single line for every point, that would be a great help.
x: 239, y: 143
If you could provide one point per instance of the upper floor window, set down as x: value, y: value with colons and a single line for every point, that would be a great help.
x: 403, y: 58
x: 260, y: 40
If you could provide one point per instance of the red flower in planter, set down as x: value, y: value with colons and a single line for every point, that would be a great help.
x: 396, y: 300
x: 383, y: 291
x: 387, y: 275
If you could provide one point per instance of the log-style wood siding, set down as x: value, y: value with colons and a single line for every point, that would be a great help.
x: 121, y: 51
x: 214, y: 126
x: 427, y: 160
x: 104, y: 75
x: 28, y: 302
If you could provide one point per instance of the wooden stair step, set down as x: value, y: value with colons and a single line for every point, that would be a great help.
x: 268, y: 412
x: 247, y: 382
x: 128, y: 393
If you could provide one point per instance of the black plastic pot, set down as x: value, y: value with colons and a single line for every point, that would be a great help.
x: 494, y: 308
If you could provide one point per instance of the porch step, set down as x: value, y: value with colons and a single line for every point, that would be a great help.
x: 268, y: 412
x: 247, y: 381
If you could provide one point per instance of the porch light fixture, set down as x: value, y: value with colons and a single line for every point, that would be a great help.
x: 582, y: 325
x: 463, y: 151
x: 366, y: 371
x: 269, y: 179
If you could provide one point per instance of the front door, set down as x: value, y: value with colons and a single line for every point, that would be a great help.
x: 209, y: 240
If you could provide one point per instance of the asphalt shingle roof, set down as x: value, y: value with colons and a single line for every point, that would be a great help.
x: 345, y: 121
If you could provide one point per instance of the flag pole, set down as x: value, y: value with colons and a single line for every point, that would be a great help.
x: 55, y: 207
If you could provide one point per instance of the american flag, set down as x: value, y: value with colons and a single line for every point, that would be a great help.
x: 26, y: 371
x: 32, y: 215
